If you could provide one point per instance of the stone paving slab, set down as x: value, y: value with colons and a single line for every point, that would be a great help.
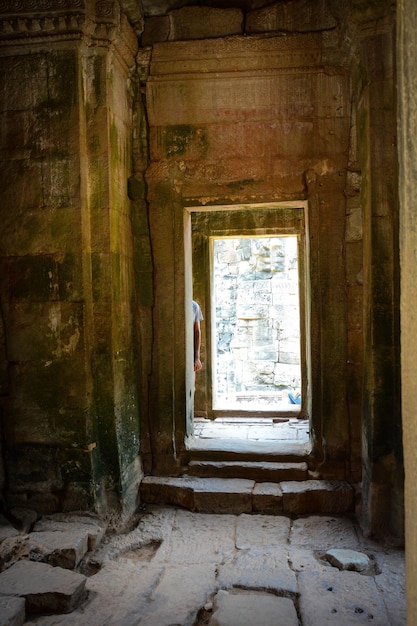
x: 92, y: 525
x: 46, y: 589
x: 249, y: 608
x: 201, y: 538
x: 58, y: 547
x: 332, y: 597
x: 322, y: 532
x: 256, y: 569
x: 262, y: 531
x: 12, y: 611
x: 180, y: 594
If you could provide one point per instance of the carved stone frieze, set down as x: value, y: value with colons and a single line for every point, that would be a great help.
x: 33, y: 21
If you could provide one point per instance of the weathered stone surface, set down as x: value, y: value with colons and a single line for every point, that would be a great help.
x: 333, y: 597
x: 46, y: 589
x: 156, y: 29
x: 323, y: 533
x: 264, y: 470
x: 81, y: 522
x: 7, y: 529
x: 13, y: 549
x: 24, y: 518
x: 267, y: 498
x: 166, y: 490
x: 180, y: 594
x: 59, y: 548
x: 259, y: 569
x: 261, y: 531
x: 298, y: 15
x: 317, y: 496
x: 205, y: 22
x: 223, y: 495
x: 247, y: 608
x: 212, y: 539
x: 12, y: 611
x: 348, y: 559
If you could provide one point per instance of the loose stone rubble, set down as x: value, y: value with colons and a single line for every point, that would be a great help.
x: 200, y: 569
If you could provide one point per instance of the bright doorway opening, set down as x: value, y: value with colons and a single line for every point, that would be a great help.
x: 255, y: 318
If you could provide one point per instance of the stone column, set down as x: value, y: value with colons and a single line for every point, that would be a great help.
x: 71, y: 415
x: 407, y: 134
x: 382, y: 475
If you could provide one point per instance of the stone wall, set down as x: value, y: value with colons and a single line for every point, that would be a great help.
x: 70, y: 411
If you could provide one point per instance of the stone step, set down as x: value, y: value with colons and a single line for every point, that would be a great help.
x: 242, y: 495
x: 262, y: 471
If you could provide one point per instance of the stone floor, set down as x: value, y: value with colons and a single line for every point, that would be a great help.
x: 257, y: 429
x: 174, y: 567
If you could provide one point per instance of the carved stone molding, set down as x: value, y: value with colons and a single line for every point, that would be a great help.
x: 37, y: 21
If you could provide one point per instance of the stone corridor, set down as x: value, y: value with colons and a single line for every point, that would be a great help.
x: 174, y: 567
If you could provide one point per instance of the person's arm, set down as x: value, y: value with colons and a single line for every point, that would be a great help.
x: 197, y: 343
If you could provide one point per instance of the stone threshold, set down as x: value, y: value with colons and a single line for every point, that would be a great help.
x: 240, y: 495
x: 247, y: 449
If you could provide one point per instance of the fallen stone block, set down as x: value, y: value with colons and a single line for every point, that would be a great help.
x: 12, y: 550
x: 59, y: 548
x: 247, y: 608
x: 317, y: 496
x: 168, y: 490
x: 46, y: 589
x: 79, y: 522
x: 6, y: 529
x: 348, y: 559
x: 12, y: 611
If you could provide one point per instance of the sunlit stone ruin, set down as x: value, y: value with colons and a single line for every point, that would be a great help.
x: 258, y: 466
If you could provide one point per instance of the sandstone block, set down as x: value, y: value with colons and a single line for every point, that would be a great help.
x: 317, y: 496
x: 320, y: 532
x: 12, y: 611
x: 167, y: 490
x: 298, y: 16
x: 262, y: 532
x: 267, y: 498
x: 88, y: 523
x: 46, y: 589
x: 156, y: 29
x: 346, y: 559
x: 223, y: 495
x: 59, y: 548
x: 205, y: 22
x: 246, y: 608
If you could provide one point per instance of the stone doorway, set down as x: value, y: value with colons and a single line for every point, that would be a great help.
x: 255, y: 404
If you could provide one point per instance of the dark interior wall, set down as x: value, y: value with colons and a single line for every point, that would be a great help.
x: 251, y: 107
x: 70, y: 409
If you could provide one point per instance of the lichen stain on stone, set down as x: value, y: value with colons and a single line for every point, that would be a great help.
x: 60, y: 330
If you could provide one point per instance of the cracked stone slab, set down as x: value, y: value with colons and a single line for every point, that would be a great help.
x: 59, y: 548
x: 46, y: 589
x: 201, y: 538
x: 90, y: 524
x: 258, y: 531
x: 346, y: 559
x: 257, y: 569
x: 321, y: 532
x: 331, y: 597
x: 12, y: 611
x: 247, y: 608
